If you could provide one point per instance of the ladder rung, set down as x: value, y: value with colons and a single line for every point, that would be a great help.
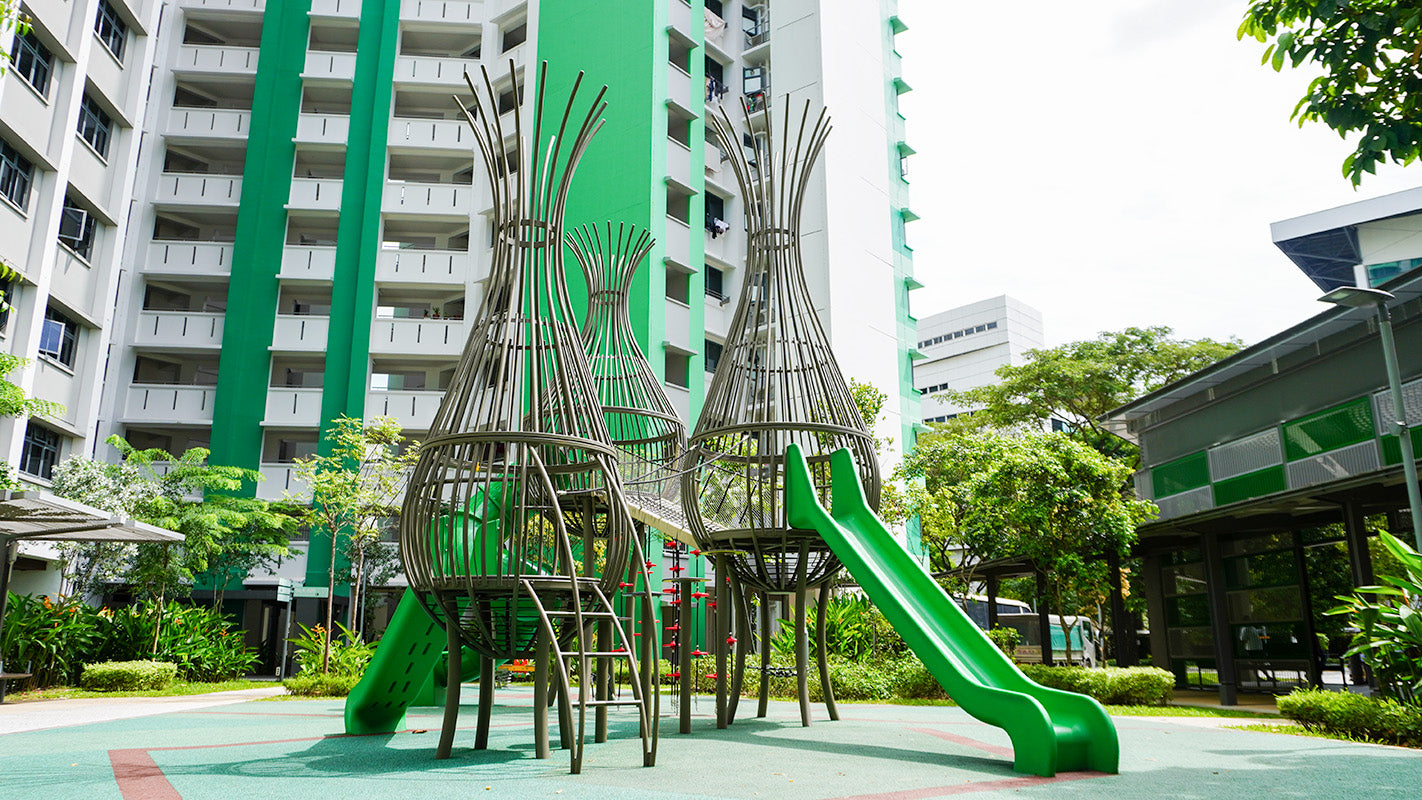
x: 614, y: 702
x: 586, y: 614
x: 602, y: 653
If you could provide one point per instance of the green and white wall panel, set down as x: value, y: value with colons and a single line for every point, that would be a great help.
x: 1343, y: 441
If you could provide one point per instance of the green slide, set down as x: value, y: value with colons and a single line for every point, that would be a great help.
x: 1051, y: 731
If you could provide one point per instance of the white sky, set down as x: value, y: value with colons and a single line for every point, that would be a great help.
x: 1112, y: 163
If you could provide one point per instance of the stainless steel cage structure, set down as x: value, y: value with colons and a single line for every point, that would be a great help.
x: 777, y: 381
x: 515, y: 532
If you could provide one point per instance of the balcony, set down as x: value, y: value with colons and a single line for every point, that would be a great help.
x: 424, y: 267
x: 678, y: 162
x: 217, y: 123
x: 293, y: 407
x: 435, y: 199
x: 178, y: 405
x: 680, y: 398
x: 414, y: 409
x: 216, y: 58
x: 678, y: 325
x: 330, y: 67
x: 427, y: 337
x: 433, y: 70
x: 680, y: 19
x: 178, y: 329
x: 300, y: 333
x: 680, y: 92
x: 678, y: 241
x: 330, y: 129
x: 468, y: 11
x: 315, y: 194
x: 277, y: 480
x: 305, y: 263
x: 196, y: 189
x: 343, y: 10
x: 449, y: 134
x: 189, y: 259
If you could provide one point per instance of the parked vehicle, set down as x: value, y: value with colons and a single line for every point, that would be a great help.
x: 1019, y: 616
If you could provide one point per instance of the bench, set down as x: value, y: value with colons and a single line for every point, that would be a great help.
x: 10, y: 676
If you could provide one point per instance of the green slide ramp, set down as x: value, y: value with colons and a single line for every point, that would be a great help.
x: 1051, y: 731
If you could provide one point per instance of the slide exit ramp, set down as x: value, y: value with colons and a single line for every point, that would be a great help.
x: 1051, y: 731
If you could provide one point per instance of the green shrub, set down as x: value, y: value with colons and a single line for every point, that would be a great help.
x: 126, y: 676
x: 198, y: 639
x: 1389, y: 638
x: 54, y: 637
x: 911, y: 680
x: 349, y: 654
x: 1355, y: 716
x: 314, y: 684
x: 1126, y: 686
x: 1005, y: 639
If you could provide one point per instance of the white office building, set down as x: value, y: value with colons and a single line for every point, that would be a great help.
x: 964, y: 346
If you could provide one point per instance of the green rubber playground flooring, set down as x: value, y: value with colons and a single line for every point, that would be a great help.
x: 875, y: 752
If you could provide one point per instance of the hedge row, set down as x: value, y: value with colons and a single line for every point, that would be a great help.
x: 1354, y: 716
x: 1122, y: 686
x: 127, y: 676
x: 315, y: 684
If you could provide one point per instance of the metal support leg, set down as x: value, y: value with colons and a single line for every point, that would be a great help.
x: 765, y: 621
x: 723, y: 631
x: 1219, y: 620
x: 604, y: 679
x: 540, y: 696
x: 802, y: 644
x: 683, y: 652
x: 486, y: 702
x: 565, y: 708
x: 743, y: 640
x: 451, y: 689
x: 821, y: 634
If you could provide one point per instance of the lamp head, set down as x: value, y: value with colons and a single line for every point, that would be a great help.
x: 1356, y: 296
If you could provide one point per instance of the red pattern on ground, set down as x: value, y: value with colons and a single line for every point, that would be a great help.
x: 139, y: 778
x: 966, y: 742
x: 973, y: 788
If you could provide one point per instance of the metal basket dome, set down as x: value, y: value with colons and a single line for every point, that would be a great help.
x: 519, y: 442
x: 777, y: 381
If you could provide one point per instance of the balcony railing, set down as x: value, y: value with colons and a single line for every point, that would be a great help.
x: 322, y: 128
x: 226, y: 123
x: 413, y: 408
x: 169, y: 404
x: 300, y: 333
x: 199, y: 189
x: 315, y: 194
x: 206, y: 259
x: 217, y: 58
x: 469, y: 11
x: 434, y: 70
x: 435, y: 337
x: 293, y: 406
x: 178, y: 329
x: 443, y: 199
x: 308, y: 263
x: 443, y: 133
x: 448, y: 267
x: 323, y: 65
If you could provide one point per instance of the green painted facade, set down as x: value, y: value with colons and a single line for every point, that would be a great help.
x: 244, y: 370
x: 1329, y: 429
x: 1181, y: 475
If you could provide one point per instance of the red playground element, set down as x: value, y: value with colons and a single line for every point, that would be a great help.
x: 699, y: 652
x: 730, y: 640
x: 700, y: 594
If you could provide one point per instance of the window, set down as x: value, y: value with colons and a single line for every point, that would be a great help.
x: 32, y: 61
x: 513, y: 37
x: 95, y: 126
x: 76, y: 228
x: 713, y: 354
x: 111, y: 29
x: 678, y: 369
x: 59, y: 337
x: 715, y: 283
x: 40, y: 451
x: 16, y: 175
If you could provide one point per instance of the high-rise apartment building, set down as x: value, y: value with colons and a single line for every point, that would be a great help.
x: 72, y: 101
x: 307, y: 234
x: 964, y: 346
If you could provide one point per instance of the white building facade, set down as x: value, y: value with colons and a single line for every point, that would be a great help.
x: 963, y: 348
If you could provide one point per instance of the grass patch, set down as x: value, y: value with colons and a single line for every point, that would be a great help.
x: 1185, y: 711
x: 1299, y: 730
x: 176, y: 689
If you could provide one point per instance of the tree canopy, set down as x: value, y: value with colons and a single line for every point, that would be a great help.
x: 1368, y: 52
x: 1080, y: 381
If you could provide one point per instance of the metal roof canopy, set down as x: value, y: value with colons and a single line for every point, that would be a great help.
x: 1324, y: 244
x: 42, y: 516
x: 1305, y: 335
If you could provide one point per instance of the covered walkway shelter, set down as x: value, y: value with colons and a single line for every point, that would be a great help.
x: 1266, y: 461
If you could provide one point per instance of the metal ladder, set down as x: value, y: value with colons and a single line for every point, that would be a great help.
x: 602, y: 616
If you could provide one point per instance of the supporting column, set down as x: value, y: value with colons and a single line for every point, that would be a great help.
x: 1155, y: 611
x: 1360, y: 562
x: 1122, y: 631
x: 992, y: 589
x: 1315, y: 661
x: 1219, y: 619
x: 486, y: 700
x: 683, y: 650
x: 765, y: 635
x: 821, y: 635
x: 723, y: 631
x: 451, y: 689
x: 802, y: 645
x: 740, y: 602
x: 540, y: 695
x: 1044, y: 625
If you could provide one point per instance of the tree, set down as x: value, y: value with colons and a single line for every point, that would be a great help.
x: 1368, y: 51
x: 1057, y: 503
x: 182, y: 493
x: 1078, y: 382
x: 356, y: 489
x: 11, y: 17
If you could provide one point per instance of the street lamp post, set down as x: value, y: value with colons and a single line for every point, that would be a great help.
x: 1362, y: 297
